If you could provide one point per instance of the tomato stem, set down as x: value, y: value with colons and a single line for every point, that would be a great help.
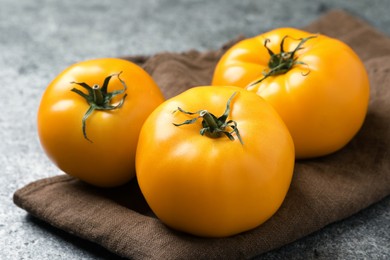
x: 97, y: 95
x: 211, y: 125
x: 282, y: 62
x: 210, y: 122
x: 99, y: 98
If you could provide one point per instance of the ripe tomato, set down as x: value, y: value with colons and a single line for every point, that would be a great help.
x: 99, y: 146
x: 214, y: 179
x: 317, y: 84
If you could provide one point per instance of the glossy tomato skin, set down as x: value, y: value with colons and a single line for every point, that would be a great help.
x: 214, y: 187
x: 322, y: 101
x: 108, y: 159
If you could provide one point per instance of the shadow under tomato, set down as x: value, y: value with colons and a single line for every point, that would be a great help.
x: 128, y: 195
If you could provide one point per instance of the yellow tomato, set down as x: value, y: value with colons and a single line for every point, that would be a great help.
x: 97, y: 146
x: 317, y: 84
x: 214, y: 179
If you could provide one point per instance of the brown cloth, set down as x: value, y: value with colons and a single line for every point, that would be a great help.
x: 323, y: 190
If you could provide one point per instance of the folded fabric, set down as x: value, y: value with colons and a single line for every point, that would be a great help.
x: 323, y: 190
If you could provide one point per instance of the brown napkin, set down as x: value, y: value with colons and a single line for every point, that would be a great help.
x: 323, y: 190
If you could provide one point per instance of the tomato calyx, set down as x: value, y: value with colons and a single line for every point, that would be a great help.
x: 99, y: 98
x: 214, y: 126
x: 282, y: 62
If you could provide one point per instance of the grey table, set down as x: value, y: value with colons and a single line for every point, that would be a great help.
x: 38, y: 39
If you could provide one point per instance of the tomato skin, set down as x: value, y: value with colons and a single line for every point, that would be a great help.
x: 323, y: 101
x: 214, y: 187
x: 108, y: 159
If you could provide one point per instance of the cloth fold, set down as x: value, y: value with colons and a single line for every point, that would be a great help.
x: 323, y: 190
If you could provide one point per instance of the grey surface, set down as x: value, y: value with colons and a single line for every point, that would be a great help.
x: 38, y: 39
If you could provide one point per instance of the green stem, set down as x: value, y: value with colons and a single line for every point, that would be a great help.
x: 214, y: 126
x: 99, y: 98
x: 97, y: 95
x: 211, y: 122
x: 282, y: 62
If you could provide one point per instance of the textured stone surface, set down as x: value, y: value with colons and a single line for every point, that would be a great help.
x: 38, y: 39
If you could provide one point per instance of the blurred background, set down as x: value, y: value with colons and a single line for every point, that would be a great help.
x: 38, y: 39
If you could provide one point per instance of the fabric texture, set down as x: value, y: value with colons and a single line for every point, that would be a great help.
x: 323, y: 190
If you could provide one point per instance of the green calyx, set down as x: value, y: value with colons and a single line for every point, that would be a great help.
x: 99, y: 98
x: 213, y: 126
x: 282, y: 62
